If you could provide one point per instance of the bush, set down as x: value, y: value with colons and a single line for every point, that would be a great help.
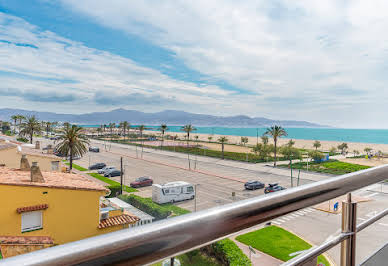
x: 228, y: 253
x: 147, y: 205
x: 114, y: 191
x: 21, y: 139
x: 112, y: 182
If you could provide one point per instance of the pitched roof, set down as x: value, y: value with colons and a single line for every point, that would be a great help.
x: 25, y: 240
x: 32, y: 208
x: 118, y: 220
x: 52, y: 179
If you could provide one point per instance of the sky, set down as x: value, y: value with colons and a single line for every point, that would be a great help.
x: 319, y: 61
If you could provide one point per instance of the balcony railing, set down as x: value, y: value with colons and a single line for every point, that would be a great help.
x: 171, y: 237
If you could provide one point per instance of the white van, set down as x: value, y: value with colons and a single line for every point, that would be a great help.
x: 172, y: 192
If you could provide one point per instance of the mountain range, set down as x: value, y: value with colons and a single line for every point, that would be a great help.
x: 169, y: 117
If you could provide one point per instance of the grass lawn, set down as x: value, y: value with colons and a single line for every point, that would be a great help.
x: 75, y: 166
x: 175, y: 209
x: 277, y: 242
x: 111, y: 182
x: 334, y: 167
x: 197, y: 260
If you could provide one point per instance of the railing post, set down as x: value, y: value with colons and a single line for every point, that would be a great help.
x: 349, y: 226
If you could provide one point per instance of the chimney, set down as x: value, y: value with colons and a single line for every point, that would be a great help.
x: 36, y: 174
x: 37, y: 145
x: 24, y: 165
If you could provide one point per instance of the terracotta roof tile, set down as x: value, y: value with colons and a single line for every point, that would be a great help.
x: 25, y: 240
x: 52, y: 179
x: 118, y: 220
x: 32, y: 208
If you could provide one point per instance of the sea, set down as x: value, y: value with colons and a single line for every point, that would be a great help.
x: 377, y: 136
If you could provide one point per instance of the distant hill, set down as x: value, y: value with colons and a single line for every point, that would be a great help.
x: 170, y: 117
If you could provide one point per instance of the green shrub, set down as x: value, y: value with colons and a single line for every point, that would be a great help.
x: 112, y: 182
x: 79, y: 168
x: 147, y: 205
x: 21, y: 139
x: 114, y: 191
x: 229, y: 253
x: 8, y: 133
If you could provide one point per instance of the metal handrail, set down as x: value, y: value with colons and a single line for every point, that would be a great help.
x: 170, y: 237
x: 318, y: 250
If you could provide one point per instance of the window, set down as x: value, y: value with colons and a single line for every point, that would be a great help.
x: 190, y: 189
x: 54, y: 166
x: 166, y: 191
x: 31, y: 221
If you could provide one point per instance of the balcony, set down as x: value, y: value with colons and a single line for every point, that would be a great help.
x: 171, y: 237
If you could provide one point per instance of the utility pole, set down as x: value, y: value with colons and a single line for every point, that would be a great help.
x: 121, y: 175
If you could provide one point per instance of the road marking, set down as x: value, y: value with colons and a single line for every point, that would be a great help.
x: 309, y: 210
x: 286, y: 218
x: 371, y: 195
x: 280, y: 220
x: 383, y: 224
x: 300, y: 213
x: 294, y: 215
x: 290, y: 217
x: 276, y: 223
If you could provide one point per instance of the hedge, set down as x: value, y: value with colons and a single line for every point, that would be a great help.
x: 21, y: 139
x: 112, y: 182
x: 114, y: 191
x: 228, y: 253
x: 147, y: 205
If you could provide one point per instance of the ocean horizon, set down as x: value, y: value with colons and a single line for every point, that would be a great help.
x: 373, y: 136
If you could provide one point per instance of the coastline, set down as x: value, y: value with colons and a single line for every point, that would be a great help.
x: 299, y: 143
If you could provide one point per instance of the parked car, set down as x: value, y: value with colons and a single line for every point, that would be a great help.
x: 142, y: 182
x: 113, y: 172
x: 105, y: 169
x: 75, y: 157
x: 273, y: 188
x: 253, y: 184
x: 97, y: 166
x: 94, y: 149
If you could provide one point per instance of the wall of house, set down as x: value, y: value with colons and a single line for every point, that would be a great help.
x: 11, y: 158
x: 71, y: 214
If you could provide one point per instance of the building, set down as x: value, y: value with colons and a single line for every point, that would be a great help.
x: 41, y: 209
x: 144, y: 218
x: 11, y: 154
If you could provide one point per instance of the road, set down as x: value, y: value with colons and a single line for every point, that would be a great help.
x: 217, y: 179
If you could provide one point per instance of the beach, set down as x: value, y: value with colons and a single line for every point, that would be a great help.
x: 299, y: 143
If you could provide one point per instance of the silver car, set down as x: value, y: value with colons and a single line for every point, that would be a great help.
x: 106, y: 169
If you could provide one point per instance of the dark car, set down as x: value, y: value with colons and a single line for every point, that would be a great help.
x: 112, y: 173
x: 97, y: 166
x: 273, y: 188
x: 94, y: 149
x: 142, y: 182
x: 254, y: 184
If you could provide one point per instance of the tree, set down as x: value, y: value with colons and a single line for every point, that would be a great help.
x: 316, y: 155
x: 343, y: 147
x: 290, y: 152
x: 244, y: 140
x: 99, y: 130
x: 317, y: 144
x: 368, y: 150
x: 72, y: 142
x: 210, y: 138
x: 262, y: 150
x: 111, y: 127
x: 125, y: 126
x: 141, y: 129
x: 264, y: 139
x: 355, y: 153
x: 163, y: 128
x: 20, y: 119
x: 48, y: 127
x: 290, y: 143
x: 30, y: 126
x: 15, y: 119
x: 333, y: 150
x: 222, y: 140
x: 188, y: 129
x: 275, y: 132
x: 5, y: 126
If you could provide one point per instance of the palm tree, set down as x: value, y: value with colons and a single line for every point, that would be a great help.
x: 317, y: 144
x: 72, y: 142
x: 210, y: 138
x: 244, y: 140
x: 290, y: 143
x: 126, y: 126
x: 48, y: 127
x: 163, y: 128
x: 111, y: 127
x: 188, y: 128
x: 367, y: 150
x: 15, y: 119
x: 275, y: 132
x: 99, y: 130
x: 141, y: 129
x: 20, y: 119
x: 222, y: 140
x: 30, y: 126
x: 264, y: 139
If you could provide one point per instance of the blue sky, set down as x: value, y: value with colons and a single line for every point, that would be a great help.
x: 306, y: 60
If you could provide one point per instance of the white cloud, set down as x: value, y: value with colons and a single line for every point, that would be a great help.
x: 272, y: 48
